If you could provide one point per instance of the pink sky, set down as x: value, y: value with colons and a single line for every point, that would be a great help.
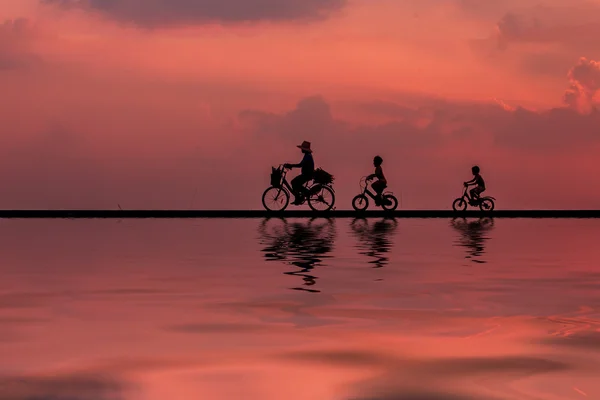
x: 144, y: 103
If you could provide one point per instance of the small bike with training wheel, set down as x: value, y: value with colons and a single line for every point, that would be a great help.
x: 320, y: 194
x: 485, y: 203
x: 360, y: 202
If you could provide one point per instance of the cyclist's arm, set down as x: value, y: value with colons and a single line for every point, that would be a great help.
x: 471, y: 182
x: 294, y: 165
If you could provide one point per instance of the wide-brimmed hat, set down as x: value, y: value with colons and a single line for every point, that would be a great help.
x: 305, y: 146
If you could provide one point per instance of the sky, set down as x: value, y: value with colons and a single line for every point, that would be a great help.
x: 188, y: 103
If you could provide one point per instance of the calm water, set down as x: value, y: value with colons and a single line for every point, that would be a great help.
x: 299, y: 309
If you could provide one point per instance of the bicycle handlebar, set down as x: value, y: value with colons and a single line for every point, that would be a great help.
x: 362, y: 183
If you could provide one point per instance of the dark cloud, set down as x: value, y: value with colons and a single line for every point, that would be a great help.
x: 15, y: 35
x: 419, y: 395
x: 436, y: 125
x: 446, y: 366
x: 348, y: 358
x: 583, y: 341
x: 572, y: 26
x: 71, y: 387
x: 312, y: 116
x: 166, y: 13
x: 554, y: 129
x: 215, y: 328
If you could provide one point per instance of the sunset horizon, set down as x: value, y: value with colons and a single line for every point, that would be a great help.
x: 116, y: 103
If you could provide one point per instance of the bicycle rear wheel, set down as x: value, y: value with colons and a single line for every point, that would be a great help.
x: 486, y: 204
x: 321, y: 198
x: 389, y: 202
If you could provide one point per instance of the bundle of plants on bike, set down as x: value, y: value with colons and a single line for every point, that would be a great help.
x: 323, y: 177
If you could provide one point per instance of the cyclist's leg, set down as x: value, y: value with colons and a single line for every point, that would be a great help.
x: 298, y: 186
x: 475, y: 192
x: 378, y: 187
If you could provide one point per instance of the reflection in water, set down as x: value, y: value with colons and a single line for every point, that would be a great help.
x: 374, y: 240
x: 473, y: 235
x: 303, y: 244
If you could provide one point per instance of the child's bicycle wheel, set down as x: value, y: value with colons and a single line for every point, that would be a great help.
x: 486, y: 204
x: 389, y: 202
x: 360, y: 202
x: 459, y: 204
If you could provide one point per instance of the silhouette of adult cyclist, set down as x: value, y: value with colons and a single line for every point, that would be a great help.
x: 307, y: 171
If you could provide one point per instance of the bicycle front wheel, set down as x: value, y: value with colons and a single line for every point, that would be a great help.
x: 275, y: 199
x: 321, y: 198
x: 360, y: 202
x: 459, y: 204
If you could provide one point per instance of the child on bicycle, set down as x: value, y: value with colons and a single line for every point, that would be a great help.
x: 381, y: 183
x: 477, y: 180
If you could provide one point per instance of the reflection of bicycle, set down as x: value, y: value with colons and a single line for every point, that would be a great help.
x: 304, y: 245
x: 485, y: 203
x: 320, y: 196
x: 360, y: 202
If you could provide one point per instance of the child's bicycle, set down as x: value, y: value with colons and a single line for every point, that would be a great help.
x: 485, y: 203
x: 360, y: 202
x: 320, y: 195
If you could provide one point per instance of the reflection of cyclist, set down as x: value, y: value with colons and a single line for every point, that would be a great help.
x: 374, y: 241
x: 307, y: 166
x: 381, y: 183
x: 477, y: 180
x: 304, y: 245
x: 473, y: 235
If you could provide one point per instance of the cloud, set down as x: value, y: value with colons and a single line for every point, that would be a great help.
x: 580, y: 340
x: 446, y: 367
x: 437, y: 124
x: 542, y: 39
x: 585, y: 83
x: 419, y: 395
x: 348, y: 358
x: 73, y: 387
x: 15, y: 36
x: 215, y: 328
x: 311, y: 118
x: 167, y: 13
x: 566, y: 25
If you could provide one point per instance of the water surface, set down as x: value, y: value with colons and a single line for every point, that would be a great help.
x: 299, y: 309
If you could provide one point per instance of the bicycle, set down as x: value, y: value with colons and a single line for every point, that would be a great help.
x: 276, y: 198
x: 360, y: 202
x: 485, y: 203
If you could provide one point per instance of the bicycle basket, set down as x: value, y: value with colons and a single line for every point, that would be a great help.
x: 323, y: 177
x: 276, y: 175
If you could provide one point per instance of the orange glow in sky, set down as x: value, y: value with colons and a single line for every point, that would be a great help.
x: 120, y: 101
